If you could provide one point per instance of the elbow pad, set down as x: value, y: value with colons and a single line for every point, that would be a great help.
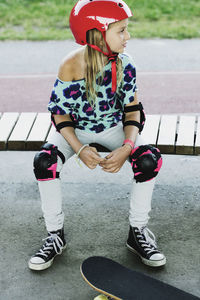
x: 132, y: 108
x: 61, y: 125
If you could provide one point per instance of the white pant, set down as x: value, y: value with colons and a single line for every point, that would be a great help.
x: 50, y: 191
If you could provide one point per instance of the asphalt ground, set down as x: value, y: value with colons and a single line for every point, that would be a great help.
x: 168, y: 74
x: 96, y: 203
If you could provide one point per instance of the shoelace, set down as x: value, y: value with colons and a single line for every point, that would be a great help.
x: 147, y: 239
x: 52, y: 242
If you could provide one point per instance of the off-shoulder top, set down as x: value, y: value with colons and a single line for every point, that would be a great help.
x: 69, y: 97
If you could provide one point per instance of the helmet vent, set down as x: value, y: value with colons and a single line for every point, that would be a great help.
x: 120, y: 4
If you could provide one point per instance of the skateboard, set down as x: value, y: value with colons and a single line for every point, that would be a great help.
x: 115, y: 281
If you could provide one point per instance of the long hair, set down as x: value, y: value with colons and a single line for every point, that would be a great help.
x: 95, y: 62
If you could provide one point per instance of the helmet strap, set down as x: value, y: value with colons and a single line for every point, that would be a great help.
x: 111, y: 57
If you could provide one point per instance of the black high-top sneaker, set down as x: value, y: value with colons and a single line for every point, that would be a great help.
x: 54, y: 245
x: 142, y: 242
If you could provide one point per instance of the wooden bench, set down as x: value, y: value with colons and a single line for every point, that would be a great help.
x: 172, y: 134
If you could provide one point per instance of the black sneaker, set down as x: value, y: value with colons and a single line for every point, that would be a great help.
x: 54, y: 245
x: 142, y: 242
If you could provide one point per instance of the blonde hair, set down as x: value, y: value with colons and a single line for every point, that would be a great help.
x: 95, y: 62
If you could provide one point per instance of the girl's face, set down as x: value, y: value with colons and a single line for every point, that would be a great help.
x: 117, y: 36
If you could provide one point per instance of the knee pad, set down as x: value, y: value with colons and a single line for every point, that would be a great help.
x: 146, y: 162
x: 45, y: 162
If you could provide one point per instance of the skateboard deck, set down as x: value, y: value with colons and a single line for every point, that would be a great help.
x: 118, y: 282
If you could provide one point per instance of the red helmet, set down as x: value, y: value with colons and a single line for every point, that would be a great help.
x: 90, y: 14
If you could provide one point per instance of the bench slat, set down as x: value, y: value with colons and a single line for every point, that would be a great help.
x: 185, y: 138
x: 167, y: 134
x: 30, y: 130
x: 39, y: 131
x: 197, y: 143
x: 51, y: 132
x: 7, y: 122
x: 21, y: 131
x: 150, y: 130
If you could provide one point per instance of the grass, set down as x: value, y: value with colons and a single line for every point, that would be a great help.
x: 48, y: 19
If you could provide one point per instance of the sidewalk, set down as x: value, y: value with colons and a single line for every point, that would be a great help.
x: 150, y: 55
x: 96, y: 223
x: 168, y: 74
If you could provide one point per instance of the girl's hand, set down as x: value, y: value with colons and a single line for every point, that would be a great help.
x: 90, y: 157
x: 115, y: 160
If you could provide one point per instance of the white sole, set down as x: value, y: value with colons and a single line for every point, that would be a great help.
x: 151, y: 263
x: 43, y: 266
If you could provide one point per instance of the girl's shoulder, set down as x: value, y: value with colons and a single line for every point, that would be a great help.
x: 72, y: 66
x: 127, y: 61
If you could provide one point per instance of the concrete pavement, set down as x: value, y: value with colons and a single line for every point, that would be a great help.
x: 96, y: 223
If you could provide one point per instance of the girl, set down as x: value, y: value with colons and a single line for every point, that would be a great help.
x: 94, y: 100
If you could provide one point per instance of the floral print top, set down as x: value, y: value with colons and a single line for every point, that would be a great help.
x: 69, y: 97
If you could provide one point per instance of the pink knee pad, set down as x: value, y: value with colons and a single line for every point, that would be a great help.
x: 45, y: 162
x: 146, y: 162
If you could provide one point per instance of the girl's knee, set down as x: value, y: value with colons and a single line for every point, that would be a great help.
x: 46, y: 162
x: 146, y: 162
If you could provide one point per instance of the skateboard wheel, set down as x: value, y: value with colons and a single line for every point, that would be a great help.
x: 101, y: 297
